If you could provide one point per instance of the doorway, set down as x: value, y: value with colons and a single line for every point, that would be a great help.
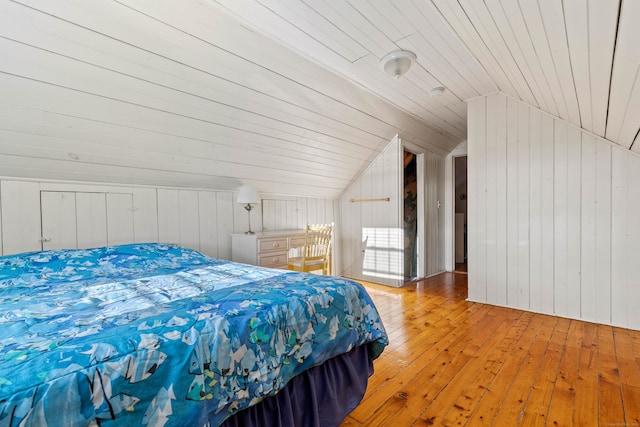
x: 460, y: 213
x: 410, y: 215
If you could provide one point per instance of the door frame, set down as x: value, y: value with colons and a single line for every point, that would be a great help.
x: 420, y: 176
x: 450, y: 195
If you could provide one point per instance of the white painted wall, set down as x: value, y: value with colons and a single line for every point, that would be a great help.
x: 553, y: 216
x: 362, y: 221
x: 86, y: 214
x: 434, y: 202
x: 372, y: 232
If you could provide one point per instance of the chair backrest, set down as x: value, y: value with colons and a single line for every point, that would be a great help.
x: 317, y: 243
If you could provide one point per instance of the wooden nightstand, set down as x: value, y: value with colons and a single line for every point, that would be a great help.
x: 266, y: 249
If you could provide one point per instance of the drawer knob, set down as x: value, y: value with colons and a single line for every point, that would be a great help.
x: 276, y: 244
x: 276, y: 260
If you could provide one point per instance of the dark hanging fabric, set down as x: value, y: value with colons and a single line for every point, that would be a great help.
x: 321, y: 396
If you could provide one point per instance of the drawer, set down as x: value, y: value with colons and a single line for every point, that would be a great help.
x: 267, y: 245
x: 276, y: 259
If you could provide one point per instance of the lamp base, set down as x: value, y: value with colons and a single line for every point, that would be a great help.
x: 249, y: 232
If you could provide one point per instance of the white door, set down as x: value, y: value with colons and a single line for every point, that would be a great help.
x: 119, y: 219
x: 58, y: 219
x: 91, y: 212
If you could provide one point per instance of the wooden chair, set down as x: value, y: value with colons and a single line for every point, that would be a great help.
x: 316, y: 250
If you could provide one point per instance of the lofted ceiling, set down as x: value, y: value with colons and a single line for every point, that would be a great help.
x: 289, y: 95
x: 575, y: 59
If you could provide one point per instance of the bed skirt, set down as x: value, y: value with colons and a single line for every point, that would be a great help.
x: 321, y: 396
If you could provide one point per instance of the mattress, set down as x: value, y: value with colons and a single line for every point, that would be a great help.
x: 157, y: 334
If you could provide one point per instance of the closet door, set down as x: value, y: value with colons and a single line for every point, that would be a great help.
x: 91, y: 213
x: 119, y: 219
x: 58, y: 219
x: 21, y: 222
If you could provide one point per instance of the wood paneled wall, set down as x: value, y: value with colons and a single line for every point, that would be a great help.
x: 553, y: 215
x: 372, y: 230
x: 361, y: 222
x: 199, y: 219
x: 434, y: 201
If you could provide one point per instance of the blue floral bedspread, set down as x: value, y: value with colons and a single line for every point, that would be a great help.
x: 155, y: 334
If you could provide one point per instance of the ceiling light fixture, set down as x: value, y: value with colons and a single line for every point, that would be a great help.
x: 436, y: 91
x: 397, y: 62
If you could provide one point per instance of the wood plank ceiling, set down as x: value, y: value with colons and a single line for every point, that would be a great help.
x: 575, y: 59
x: 289, y: 95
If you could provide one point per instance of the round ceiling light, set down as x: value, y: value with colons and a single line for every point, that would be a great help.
x: 398, y: 62
x: 436, y: 91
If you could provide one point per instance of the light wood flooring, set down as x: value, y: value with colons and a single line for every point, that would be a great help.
x: 452, y: 362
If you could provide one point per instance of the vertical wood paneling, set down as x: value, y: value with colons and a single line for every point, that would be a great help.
x: 21, y: 225
x: 535, y: 210
x: 523, y: 206
x: 145, y: 215
x: 382, y: 259
x: 102, y: 215
x: 391, y: 218
x: 168, y: 216
x: 603, y: 233
x: 301, y: 202
x: 621, y: 221
x: 560, y: 192
x: 366, y: 217
x: 497, y: 105
x: 119, y: 218
x: 633, y: 233
x: 547, y: 203
x: 571, y: 205
x: 354, y: 230
x: 312, y: 211
x: 91, y: 218
x: 376, y: 216
x: 58, y: 219
x: 225, y: 220
x: 292, y: 216
x: 492, y: 198
x: 432, y: 248
x: 574, y: 177
x: 281, y: 214
x: 207, y: 220
x: 189, y: 219
x: 512, y: 203
x: 481, y: 206
x: 588, y: 229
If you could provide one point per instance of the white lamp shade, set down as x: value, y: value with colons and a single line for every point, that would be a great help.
x: 248, y: 194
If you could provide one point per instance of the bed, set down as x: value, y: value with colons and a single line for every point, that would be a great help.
x: 157, y: 334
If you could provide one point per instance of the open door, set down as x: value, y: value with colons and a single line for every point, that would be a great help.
x: 460, y: 212
x: 413, y: 215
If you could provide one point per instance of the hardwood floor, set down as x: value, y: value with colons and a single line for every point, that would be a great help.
x: 451, y: 362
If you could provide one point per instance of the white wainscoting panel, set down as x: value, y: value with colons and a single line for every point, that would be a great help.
x: 20, y: 217
x: 85, y: 215
x: 58, y: 220
x: 120, y: 218
x: 565, y: 203
x: 91, y: 220
x: 372, y: 237
x: 145, y: 214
